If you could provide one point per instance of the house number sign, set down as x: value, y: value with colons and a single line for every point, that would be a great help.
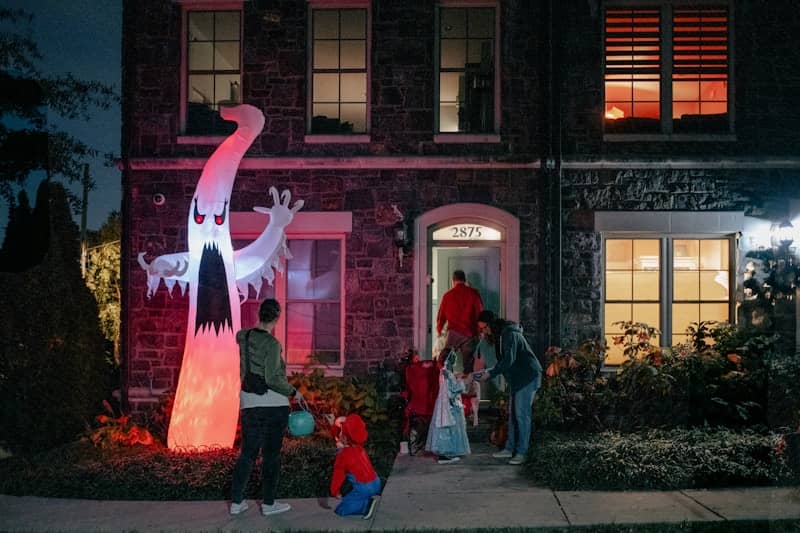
x: 466, y: 232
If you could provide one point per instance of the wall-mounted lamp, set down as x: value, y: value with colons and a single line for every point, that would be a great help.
x: 782, y: 235
x: 401, y: 235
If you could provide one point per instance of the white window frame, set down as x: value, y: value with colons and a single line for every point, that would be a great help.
x: 668, y: 227
x: 203, y: 5
x: 666, y: 30
x: 333, y: 225
x: 467, y: 137
x: 341, y: 138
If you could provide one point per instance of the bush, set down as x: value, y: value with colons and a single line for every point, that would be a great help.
x: 658, y: 459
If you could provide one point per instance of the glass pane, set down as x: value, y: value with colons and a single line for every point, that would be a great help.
x: 646, y: 110
x: 326, y: 110
x: 714, y: 285
x: 227, y: 26
x: 646, y: 254
x: 645, y: 91
x: 481, y: 23
x: 645, y: 286
x: 226, y: 56
x: 454, y: 52
x: 618, y: 285
x: 619, y: 254
x: 201, y: 56
x: 299, y: 331
x: 201, y: 88
x: 687, y: 254
x: 226, y: 89
x: 326, y: 87
x: 718, y: 312
x: 713, y: 108
x: 354, y: 24
x: 618, y: 90
x: 354, y: 87
x: 687, y: 286
x: 326, y: 54
x: 682, y: 316
x: 448, y: 118
x: 326, y: 24
x: 353, y: 54
x: 454, y: 23
x: 685, y: 90
x: 681, y: 109
x: 326, y: 327
x: 714, y: 90
x: 481, y: 53
x: 615, y: 355
x: 448, y: 87
x: 201, y: 26
x: 615, y: 313
x: 714, y: 254
x: 356, y: 115
x: 647, y: 313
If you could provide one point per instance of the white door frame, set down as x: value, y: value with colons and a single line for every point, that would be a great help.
x: 509, y: 258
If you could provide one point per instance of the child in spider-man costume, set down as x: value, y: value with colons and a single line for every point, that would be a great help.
x: 353, y: 464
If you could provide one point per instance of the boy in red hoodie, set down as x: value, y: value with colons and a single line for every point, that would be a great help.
x: 353, y: 464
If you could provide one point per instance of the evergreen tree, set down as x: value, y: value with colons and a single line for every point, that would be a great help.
x: 103, y: 277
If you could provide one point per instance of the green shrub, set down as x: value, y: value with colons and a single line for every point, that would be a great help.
x: 657, y: 459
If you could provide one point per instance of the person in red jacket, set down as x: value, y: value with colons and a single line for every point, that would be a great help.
x: 353, y: 464
x: 459, y: 309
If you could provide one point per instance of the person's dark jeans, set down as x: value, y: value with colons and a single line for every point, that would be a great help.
x: 262, y: 429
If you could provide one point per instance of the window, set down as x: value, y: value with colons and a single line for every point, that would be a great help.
x: 466, y: 67
x: 339, y: 59
x: 212, y: 56
x: 310, y: 329
x: 667, y: 282
x: 667, y: 69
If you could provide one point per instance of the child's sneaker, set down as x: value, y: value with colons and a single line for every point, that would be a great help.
x: 373, y: 503
x: 447, y: 460
x: 504, y: 454
x: 238, y: 508
x: 517, y: 460
x: 275, y: 508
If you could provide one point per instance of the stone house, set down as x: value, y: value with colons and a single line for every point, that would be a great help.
x: 585, y: 162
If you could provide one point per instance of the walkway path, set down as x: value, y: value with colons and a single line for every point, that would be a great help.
x: 478, y: 492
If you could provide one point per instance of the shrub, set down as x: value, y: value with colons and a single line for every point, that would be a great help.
x: 657, y: 459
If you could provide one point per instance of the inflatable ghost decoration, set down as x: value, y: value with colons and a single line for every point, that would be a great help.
x: 206, y: 404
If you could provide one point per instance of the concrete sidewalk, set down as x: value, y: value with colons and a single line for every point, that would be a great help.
x: 478, y: 492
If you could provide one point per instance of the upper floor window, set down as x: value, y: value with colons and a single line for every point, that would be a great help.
x: 667, y: 69
x: 212, y: 57
x: 466, y: 69
x: 667, y: 282
x: 339, y: 75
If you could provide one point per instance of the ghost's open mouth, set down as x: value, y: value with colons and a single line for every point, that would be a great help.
x: 213, y: 305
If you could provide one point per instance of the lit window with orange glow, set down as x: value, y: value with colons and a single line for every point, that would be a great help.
x: 339, y: 59
x: 632, y: 70
x: 700, y: 70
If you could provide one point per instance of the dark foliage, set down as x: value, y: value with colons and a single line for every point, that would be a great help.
x: 53, y: 374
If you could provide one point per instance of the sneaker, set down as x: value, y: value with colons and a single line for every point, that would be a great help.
x: 505, y: 454
x: 373, y: 503
x: 447, y: 460
x: 275, y: 508
x: 238, y: 508
x: 517, y: 460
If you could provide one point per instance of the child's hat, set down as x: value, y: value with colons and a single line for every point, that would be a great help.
x: 355, y: 429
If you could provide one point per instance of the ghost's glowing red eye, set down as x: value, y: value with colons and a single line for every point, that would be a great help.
x: 199, y: 218
x: 219, y: 219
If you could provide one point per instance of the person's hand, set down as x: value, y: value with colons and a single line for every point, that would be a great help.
x: 297, y: 396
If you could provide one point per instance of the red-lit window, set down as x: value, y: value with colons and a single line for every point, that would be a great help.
x: 633, y: 70
x: 667, y: 68
x: 700, y: 69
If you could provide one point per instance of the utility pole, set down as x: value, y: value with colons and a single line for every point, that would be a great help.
x: 84, y: 209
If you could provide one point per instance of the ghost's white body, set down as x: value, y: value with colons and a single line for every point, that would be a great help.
x: 206, y: 404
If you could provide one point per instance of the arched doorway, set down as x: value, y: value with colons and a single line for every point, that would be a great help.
x: 481, y: 240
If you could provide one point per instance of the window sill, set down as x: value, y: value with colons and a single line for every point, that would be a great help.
x: 346, y: 138
x: 669, y: 137
x: 336, y: 371
x: 201, y: 139
x: 466, y: 138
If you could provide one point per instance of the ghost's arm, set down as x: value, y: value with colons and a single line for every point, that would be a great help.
x: 258, y: 259
x: 172, y: 268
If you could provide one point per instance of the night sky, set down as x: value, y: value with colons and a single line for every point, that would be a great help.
x: 82, y: 37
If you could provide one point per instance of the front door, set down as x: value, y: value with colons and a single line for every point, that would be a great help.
x: 480, y: 263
